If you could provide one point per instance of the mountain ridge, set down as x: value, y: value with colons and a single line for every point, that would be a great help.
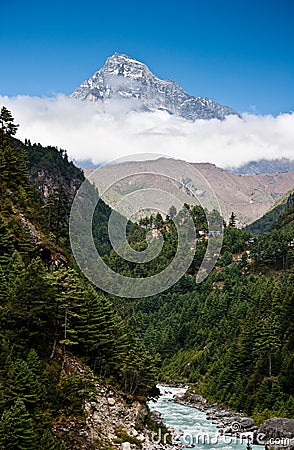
x: 249, y: 196
x: 124, y: 77
x: 264, y: 166
x: 271, y: 218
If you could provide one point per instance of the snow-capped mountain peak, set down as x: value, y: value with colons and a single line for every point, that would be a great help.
x: 125, y: 77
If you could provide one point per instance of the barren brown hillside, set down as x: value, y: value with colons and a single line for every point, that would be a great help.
x: 248, y: 196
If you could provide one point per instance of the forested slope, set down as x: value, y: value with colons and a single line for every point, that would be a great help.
x: 232, y: 335
x: 271, y: 218
x: 49, y: 313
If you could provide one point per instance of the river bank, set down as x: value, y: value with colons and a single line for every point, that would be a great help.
x: 188, y: 426
x: 275, y: 433
x: 227, y: 421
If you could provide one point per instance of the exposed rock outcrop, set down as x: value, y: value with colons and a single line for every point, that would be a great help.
x: 110, y: 419
x: 277, y: 433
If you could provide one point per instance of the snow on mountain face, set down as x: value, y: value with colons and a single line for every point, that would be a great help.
x: 122, y: 76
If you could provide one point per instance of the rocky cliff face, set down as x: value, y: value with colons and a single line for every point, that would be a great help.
x: 123, y: 77
x: 109, y: 423
x: 50, y: 169
x: 110, y: 419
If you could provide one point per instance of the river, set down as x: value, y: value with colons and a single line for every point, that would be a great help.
x: 191, y: 426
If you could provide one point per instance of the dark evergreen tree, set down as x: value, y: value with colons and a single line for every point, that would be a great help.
x: 95, y: 328
x: 232, y: 221
x: 13, y: 163
x: 172, y: 212
x: 7, y: 125
x: 17, y: 429
x: 69, y: 294
x: 22, y: 383
x: 57, y: 211
x: 48, y: 441
x: 33, y: 305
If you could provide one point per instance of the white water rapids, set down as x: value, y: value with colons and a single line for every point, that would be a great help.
x: 191, y: 426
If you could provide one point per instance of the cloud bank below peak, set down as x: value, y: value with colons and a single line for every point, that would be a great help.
x: 104, y: 131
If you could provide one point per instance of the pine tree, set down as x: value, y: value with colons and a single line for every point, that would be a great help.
x: 13, y: 162
x: 17, y: 429
x: 34, y: 362
x: 95, y: 328
x: 48, y: 441
x: 267, y: 341
x: 137, y: 368
x: 7, y: 126
x: 22, y: 383
x: 232, y: 221
x: 33, y: 304
x: 6, y: 246
x: 57, y: 209
x: 16, y: 268
x: 158, y: 220
x: 69, y: 293
x: 4, y: 289
x: 172, y: 212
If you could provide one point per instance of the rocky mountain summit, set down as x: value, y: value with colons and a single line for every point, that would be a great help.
x: 125, y: 77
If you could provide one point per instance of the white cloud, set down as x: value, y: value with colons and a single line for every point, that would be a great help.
x: 102, y: 132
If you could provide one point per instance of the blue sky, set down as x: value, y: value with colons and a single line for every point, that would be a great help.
x: 238, y: 52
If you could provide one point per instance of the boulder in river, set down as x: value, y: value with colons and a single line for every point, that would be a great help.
x: 246, y: 422
x: 278, y: 428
